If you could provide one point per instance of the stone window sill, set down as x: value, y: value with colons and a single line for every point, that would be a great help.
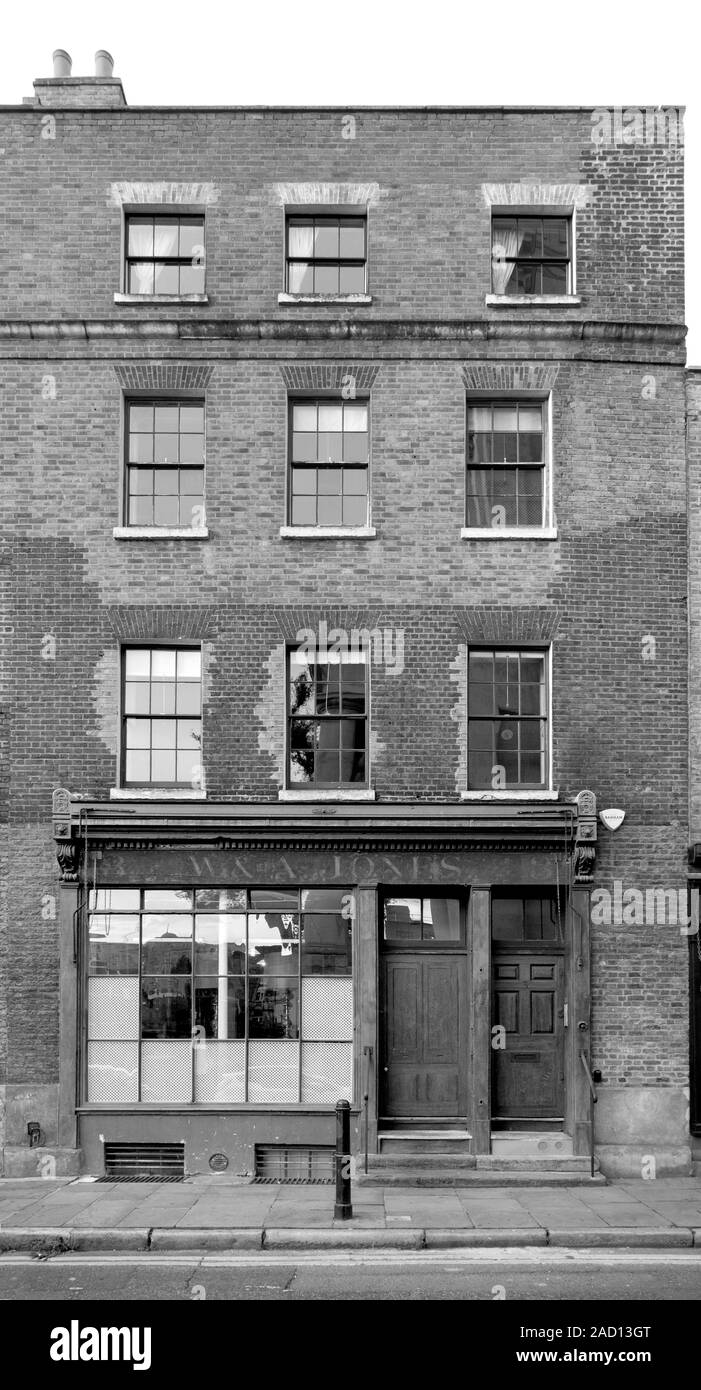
x: 161, y: 299
x: 311, y: 794
x: 160, y: 533
x: 156, y: 794
x: 501, y: 301
x: 332, y: 533
x: 510, y: 796
x: 324, y: 299
x: 508, y: 533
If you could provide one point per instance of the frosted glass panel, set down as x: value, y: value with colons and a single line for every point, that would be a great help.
x: 273, y: 1071
x: 166, y: 1070
x: 220, y: 1071
x: 113, y: 1007
x: 113, y: 1071
x: 327, y: 1008
x: 327, y: 1072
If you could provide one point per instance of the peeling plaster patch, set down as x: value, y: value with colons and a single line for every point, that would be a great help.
x: 320, y: 194
x: 458, y: 713
x: 105, y: 683
x: 270, y: 714
x: 571, y: 195
x: 120, y: 193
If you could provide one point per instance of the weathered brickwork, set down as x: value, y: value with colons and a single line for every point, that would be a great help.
x: 608, y: 591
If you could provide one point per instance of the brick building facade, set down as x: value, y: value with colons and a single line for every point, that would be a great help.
x: 438, y: 359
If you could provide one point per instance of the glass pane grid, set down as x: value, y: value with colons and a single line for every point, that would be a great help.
x: 285, y: 981
x: 159, y: 683
x: 326, y: 255
x: 507, y: 720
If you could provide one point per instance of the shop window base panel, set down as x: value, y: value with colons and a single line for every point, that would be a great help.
x: 294, y: 1163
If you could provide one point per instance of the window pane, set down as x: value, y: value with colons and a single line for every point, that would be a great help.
x: 326, y: 240
x: 220, y: 1007
x: 304, y: 511
x: 273, y: 1008
x: 352, y: 767
x: 140, y: 237
x: 136, y: 697
x: 304, y: 417
x: 141, y: 418
x: 355, y: 511
x: 352, y: 240
x: 355, y: 482
x: 325, y: 279
x: 526, y: 279
x: 141, y: 481
x: 189, y: 664
x: 113, y: 944
x: 555, y: 236
x: 220, y: 899
x: 189, y: 698
x: 162, y: 733
x: 330, y: 511
x: 554, y: 278
x: 220, y: 943
x: 300, y: 278
x: 141, y: 448
x: 192, y: 419
x: 141, y: 278
x: 330, y: 418
x: 330, y: 449
x: 530, y: 231
x: 300, y: 239
x: 191, y: 279
x: 138, y: 733
x: 166, y: 1007
x: 167, y: 900
x: 138, y: 767
x: 507, y: 918
x: 304, y: 447
x: 162, y: 766
x: 355, y: 448
x: 326, y: 944
x: 191, y: 448
x: 402, y: 919
x: 304, y: 481
x: 165, y: 241
x: 137, y: 663
x: 191, y: 237
x: 441, y: 919
x: 166, y: 279
x: 351, y: 279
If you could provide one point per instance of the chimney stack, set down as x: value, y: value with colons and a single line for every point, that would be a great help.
x: 104, y: 63
x: 64, y: 91
x: 62, y: 63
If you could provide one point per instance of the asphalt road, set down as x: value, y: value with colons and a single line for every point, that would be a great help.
x: 461, y: 1275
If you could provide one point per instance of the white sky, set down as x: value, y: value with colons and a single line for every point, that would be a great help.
x: 363, y: 52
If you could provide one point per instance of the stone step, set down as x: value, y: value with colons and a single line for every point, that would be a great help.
x: 389, y: 1161
x: 526, y: 1143
x: 570, y: 1163
x: 426, y: 1141
x: 406, y: 1176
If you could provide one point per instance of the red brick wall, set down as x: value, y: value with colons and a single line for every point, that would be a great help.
x: 615, y: 574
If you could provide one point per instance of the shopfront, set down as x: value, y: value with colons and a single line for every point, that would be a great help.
x: 229, y: 973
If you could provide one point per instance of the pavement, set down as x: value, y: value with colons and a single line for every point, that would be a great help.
x: 218, y: 1212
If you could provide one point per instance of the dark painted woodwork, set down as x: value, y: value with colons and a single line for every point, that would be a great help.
x: 424, y: 1034
x: 527, y: 1001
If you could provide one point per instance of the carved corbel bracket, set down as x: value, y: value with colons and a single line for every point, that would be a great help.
x: 585, y: 838
x: 66, y: 847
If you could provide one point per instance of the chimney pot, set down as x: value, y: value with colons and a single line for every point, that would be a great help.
x: 62, y: 63
x: 104, y: 63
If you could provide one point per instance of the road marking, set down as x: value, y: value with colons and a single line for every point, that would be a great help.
x: 457, y: 1260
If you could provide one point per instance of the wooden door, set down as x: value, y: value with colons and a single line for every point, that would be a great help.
x: 424, y: 1035
x: 528, y: 1070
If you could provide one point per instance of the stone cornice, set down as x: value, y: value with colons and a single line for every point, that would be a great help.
x: 288, y: 329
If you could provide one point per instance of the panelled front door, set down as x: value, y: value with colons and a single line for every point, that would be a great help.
x: 423, y: 1067
x: 528, y: 1070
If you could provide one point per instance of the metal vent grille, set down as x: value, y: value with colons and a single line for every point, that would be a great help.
x: 294, y: 1163
x: 144, y: 1163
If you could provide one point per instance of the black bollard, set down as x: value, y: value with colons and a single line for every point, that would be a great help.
x: 343, y: 1210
